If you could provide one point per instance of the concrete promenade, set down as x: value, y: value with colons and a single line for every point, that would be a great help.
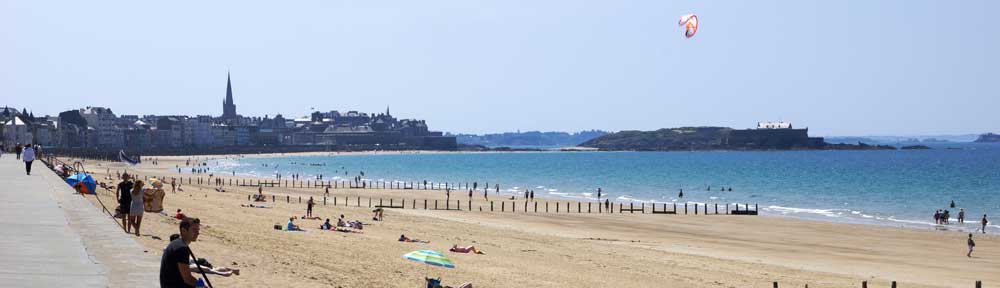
x: 55, y: 238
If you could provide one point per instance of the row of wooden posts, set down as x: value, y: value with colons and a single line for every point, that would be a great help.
x: 558, y: 207
x: 864, y: 284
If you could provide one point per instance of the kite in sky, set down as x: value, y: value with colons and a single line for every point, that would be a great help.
x: 690, y: 24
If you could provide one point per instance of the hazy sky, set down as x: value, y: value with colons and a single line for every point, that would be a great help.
x: 839, y: 67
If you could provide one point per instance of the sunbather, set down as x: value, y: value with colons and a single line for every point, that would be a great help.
x: 436, y: 283
x: 347, y: 230
x: 465, y: 249
x: 403, y: 238
x: 291, y: 226
x: 219, y: 189
x: 326, y: 225
x: 356, y: 224
x: 251, y: 205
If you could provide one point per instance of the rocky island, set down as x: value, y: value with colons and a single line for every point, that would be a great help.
x: 988, y: 138
x: 767, y: 136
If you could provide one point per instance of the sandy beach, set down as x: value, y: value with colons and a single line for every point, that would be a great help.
x: 543, y: 249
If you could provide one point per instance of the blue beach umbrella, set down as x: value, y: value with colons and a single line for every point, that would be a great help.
x: 88, y: 182
x: 430, y: 257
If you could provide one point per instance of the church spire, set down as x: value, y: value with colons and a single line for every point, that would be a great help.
x: 229, y: 90
x: 228, y: 106
x: 387, y: 110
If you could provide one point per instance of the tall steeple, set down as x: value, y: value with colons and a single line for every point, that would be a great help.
x: 228, y: 107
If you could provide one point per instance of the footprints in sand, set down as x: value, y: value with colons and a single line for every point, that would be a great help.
x: 611, y: 240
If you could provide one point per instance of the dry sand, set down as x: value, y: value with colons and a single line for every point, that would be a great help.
x: 547, y: 249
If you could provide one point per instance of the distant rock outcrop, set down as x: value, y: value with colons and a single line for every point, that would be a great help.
x: 988, y: 138
x: 718, y: 138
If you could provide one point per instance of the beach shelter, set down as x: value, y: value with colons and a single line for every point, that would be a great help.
x: 85, y: 183
x: 429, y: 257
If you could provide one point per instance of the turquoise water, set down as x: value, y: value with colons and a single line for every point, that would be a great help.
x: 901, y: 188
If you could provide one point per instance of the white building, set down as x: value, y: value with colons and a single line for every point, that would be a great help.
x: 774, y: 125
x: 16, y: 130
x: 103, y: 121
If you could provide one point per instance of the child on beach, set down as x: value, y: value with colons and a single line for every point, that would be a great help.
x: 972, y: 244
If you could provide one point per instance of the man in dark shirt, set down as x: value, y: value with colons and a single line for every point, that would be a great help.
x: 125, y: 199
x: 174, y: 265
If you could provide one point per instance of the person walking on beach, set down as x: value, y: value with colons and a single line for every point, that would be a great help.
x: 972, y: 244
x: 29, y: 156
x: 607, y: 204
x: 961, y: 215
x: 309, y: 207
x: 532, y: 194
x: 681, y: 194
x: 598, y: 194
x: 984, y: 223
x: 137, y: 206
x: 173, y: 185
x: 125, y: 200
x: 937, y: 216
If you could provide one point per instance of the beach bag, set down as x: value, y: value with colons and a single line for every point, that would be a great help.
x: 277, y: 227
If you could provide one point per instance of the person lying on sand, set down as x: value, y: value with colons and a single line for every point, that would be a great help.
x: 254, y: 206
x: 466, y: 249
x: 219, y: 189
x: 311, y: 218
x: 436, y: 283
x: 356, y: 225
x: 403, y: 238
x: 347, y: 230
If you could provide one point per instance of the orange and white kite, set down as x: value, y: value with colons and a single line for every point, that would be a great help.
x: 690, y: 24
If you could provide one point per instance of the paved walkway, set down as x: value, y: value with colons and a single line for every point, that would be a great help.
x: 55, y: 238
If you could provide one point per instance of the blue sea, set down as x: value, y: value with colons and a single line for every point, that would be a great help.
x: 898, y: 188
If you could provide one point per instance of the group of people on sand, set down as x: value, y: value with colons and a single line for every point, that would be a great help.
x: 943, y: 217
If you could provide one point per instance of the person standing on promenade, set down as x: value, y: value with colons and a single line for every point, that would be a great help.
x: 174, y: 264
x: 961, y: 215
x: 125, y: 200
x: 972, y: 244
x: 17, y: 150
x: 28, y: 157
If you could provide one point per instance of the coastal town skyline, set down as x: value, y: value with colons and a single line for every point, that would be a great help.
x: 493, y: 66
